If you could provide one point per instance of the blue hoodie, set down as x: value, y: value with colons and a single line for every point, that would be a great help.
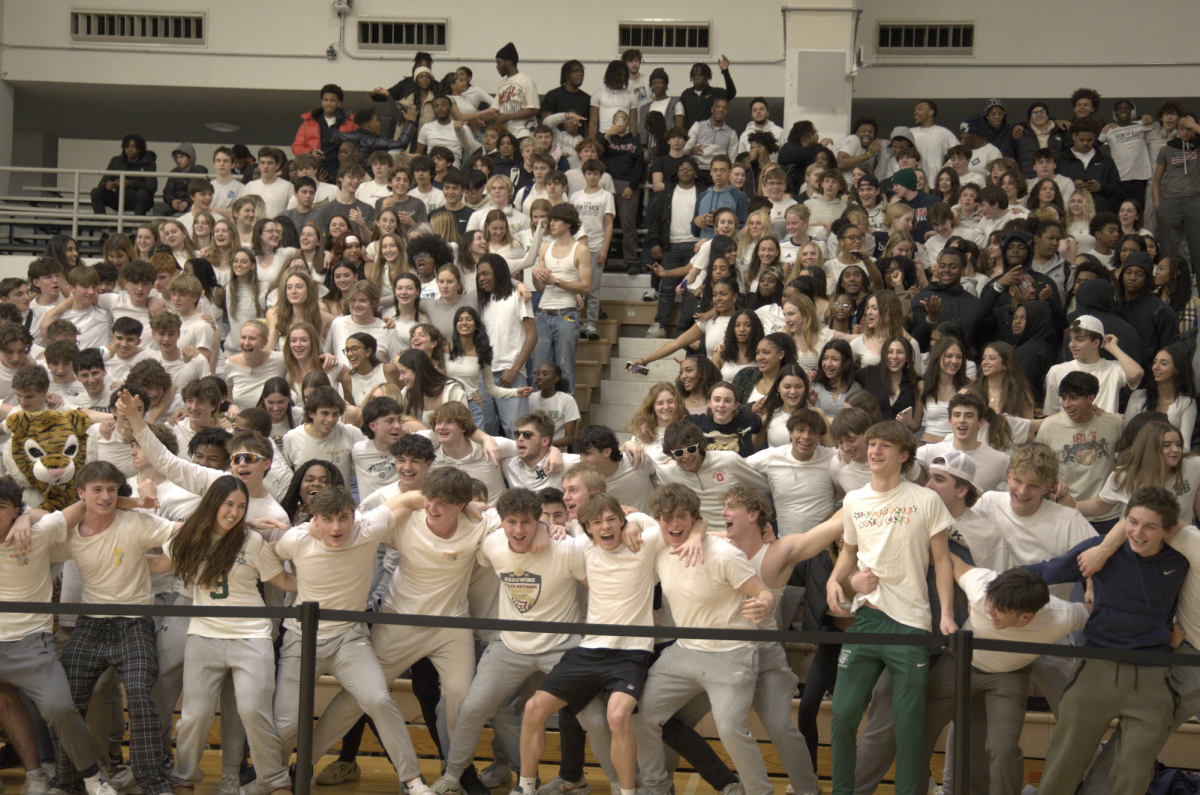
x: 1134, y: 596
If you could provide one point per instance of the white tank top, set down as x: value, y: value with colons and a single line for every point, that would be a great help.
x: 768, y: 623
x: 361, y: 385
x: 563, y: 269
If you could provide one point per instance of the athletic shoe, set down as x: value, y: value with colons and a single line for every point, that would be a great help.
x: 101, y: 788
x: 735, y: 788
x: 447, y: 785
x: 420, y: 788
x: 790, y: 790
x: 230, y: 785
x: 655, y: 332
x: 634, y: 270
x: 496, y: 774
x: 471, y: 784
x: 36, y: 782
x: 339, y: 772
x: 559, y: 786
x: 123, y: 782
x: 247, y: 775
x: 593, y: 335
x: 650, y: 296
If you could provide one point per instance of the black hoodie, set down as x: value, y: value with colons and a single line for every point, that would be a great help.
x: 1097, y: 298
x: 147, y: 161
x: 957, y: 304
x: 1036, y: 347
x: 996, y: 307
x: 1150, y: 316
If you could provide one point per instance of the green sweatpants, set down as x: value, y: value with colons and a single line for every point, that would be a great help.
x: 859, y: 667
x: 1142, y: 700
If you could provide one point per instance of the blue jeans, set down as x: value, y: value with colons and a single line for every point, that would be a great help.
x: 558, y: 337
x: 476, y: 410
x: 500, y: 415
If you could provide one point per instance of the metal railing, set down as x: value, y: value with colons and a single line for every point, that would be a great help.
x: 962, y: 644
x: 75, y: 215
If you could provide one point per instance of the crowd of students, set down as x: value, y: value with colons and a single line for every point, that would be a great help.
x: 912, y: 397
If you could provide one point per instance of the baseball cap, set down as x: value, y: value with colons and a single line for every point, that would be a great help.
x: 1090, y: 323
x: 957, y: 463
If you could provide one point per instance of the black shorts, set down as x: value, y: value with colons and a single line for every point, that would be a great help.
x: 582, y: 674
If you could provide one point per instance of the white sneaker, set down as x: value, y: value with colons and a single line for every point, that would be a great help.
x: 650, y: 295
x: 123, y: 782
x: 735, y: 789
x: 559, y: 786
x: 230, y: 785
x: 446, y: 785
x: 339, y: 772
x: 496, y: 774
x: 420, y: 788
x: 36, y: 782
x: 655, y: 332
x: 101, y: 787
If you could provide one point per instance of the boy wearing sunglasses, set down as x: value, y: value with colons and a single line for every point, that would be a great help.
x: 250, y: 458
x: 530, y: 468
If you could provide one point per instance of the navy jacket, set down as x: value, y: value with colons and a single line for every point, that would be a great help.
x: 1135, y: 596
x: 1102, y: 169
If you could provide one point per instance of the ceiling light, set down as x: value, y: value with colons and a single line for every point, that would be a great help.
x: 223, y: 127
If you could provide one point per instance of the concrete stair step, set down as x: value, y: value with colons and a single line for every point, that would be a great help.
x: 615, y: 416
x: 637, y: 347
x: 623, y: 393
x: 662, y: 370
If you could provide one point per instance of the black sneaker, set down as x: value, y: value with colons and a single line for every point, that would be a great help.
x: 583, y: 335
x: 634, y: 270
x: 471, y: 783
x: 593, y: 335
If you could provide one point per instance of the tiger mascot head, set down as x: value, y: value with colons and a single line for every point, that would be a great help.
x: 49, y: 447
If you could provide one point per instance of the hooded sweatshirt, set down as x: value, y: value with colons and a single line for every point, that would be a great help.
x: 1035, y: 346
x: 1100, y: 168
x: 176, y: 187
x: 1135, y: 596
x: 887, y: 161
x: 957, y: 304
x: 1150, y: 316
x: 1002, y: 138
x: 995, y: 306
x: 1098, y: 299
x: 147, y: 161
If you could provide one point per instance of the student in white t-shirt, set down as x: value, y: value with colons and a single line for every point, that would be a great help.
x: 93, y: 322
x: 627, y: 477
x: 596, y: 210
x: 195, y: 331
x: 538, y: 582
x: 966, y: 412
x: 517, y: 100
x: 553, y: 398
x: 1086, y: 338
x: 801, y: 479
x: 166, y: 329
x: 323, y: 435
x: 537, y: 465
x: 895, y: 528
x: 374, y: 463
x: 372, y: 190
x: 226, y: 187
x: 109, y: 545
x: 275, y: 192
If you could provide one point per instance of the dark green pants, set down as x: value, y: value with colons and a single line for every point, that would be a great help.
x: 859, y: 666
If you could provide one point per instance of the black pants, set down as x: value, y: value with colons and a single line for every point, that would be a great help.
x: 138, y: 201
x: 822, y: 676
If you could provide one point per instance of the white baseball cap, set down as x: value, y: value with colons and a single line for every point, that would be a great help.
x: 1090, y: 323
x: 957, y: 463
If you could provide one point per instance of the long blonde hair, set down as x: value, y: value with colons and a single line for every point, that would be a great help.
x: 745, y: 242
x: 890, y: 322
x: 644, y: 422
x: 231, y: 293
x: 211, y: 223
x: 1142, y: 464
x: 285, y: 313
x: 376, y: 270
x: 797, y: 267
x: 213, y: 254
x: 314, y: 353
x: 811, y: 329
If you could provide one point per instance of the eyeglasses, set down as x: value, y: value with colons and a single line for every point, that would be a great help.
x: 689, y: 450
x: 526, y: 434
x: 843, y: 306
x: 1039, y: 112
x: 247, y: 458
x: 852, y: 238
x: 349, y: 351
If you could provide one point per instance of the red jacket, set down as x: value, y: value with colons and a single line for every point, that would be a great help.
x: 308, y: 137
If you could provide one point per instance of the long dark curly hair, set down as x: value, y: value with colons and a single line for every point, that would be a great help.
x: 292, y: 501
x: 194, y: 562
x: 483, y: 345
x: 709, y: 375
x: 732, y: 349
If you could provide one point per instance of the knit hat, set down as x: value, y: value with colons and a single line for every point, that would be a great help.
x: 660, y: 74
x: 1140, y: 259
x: 1035, y: 106
x: 905, y: 178
x: 1090, y: 323
x: 422, y: 70
x: 994, y: 103
x: 976, y: 125
x: 957, y: 463
x: 508, y: 53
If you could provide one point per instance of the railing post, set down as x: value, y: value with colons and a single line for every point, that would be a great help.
x: 310, y: 613
x: 75, y: 209
x: 964, y: 643
x: 121, y: 202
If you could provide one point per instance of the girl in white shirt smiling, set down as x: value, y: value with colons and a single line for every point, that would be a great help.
x: 470, y: 363
x: 265, y: 243
x: 298, y: 303
x: 173, y: 235
x: 221, y: 562
x: 365, y: 370
x: 425, y: 388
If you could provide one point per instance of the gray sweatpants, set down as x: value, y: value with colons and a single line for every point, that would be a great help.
x: 675, y: 679
x: 499, y: 673
x: 208, y: 662
x: 1186, y: 681
x: 31, y: 665
x: 396, y: 648
x: 591, y: 301
x: 171, y: 640
x: 351, y: 659
x: 773, y: 702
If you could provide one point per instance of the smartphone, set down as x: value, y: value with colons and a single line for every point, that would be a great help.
x: 637, y: 369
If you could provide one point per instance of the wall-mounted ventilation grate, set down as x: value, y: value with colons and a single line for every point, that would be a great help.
x: 117, y: 27
x: 403, y: 34
x: 659, y: 37
x: 926, y: 38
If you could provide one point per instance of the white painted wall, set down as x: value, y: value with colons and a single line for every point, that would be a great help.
x: 277, y: 44
x: 1088, y: 44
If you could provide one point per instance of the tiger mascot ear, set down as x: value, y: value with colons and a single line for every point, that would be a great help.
x: 18, y: 422
x: 79, y: 421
